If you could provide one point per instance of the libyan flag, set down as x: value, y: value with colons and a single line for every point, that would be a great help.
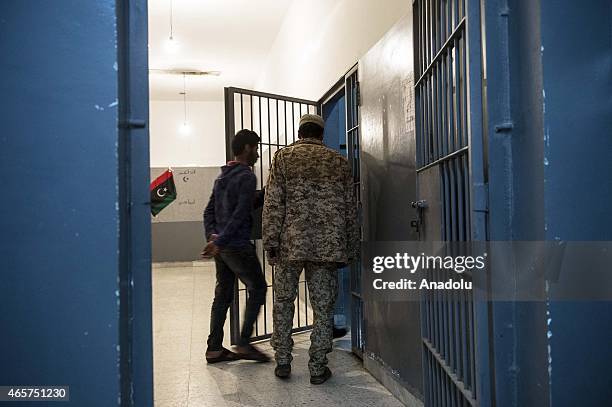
x: 163, y: 192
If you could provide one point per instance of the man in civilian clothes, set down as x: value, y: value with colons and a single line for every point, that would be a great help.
x: 227, y: 223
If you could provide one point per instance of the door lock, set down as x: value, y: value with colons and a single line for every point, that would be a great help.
x: 419, y: 206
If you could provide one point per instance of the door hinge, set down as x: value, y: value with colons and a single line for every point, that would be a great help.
x: 480, y: 201
x: 133, y: 124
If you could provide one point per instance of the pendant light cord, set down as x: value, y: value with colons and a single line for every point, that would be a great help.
x: 171, y: 25
x: 184, y: 99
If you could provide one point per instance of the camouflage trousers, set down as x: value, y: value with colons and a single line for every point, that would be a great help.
x: 322, y: 280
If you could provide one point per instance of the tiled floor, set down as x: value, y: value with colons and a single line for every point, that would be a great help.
x: 182, y: 297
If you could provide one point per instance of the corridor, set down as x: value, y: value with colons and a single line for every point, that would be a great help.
x: 182, y: 296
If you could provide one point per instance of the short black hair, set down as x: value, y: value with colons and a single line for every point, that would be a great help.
x: 242, y: 138
x: 310, y: 130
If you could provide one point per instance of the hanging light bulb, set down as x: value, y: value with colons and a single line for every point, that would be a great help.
x: 172, y: 45
x: 184, y: 128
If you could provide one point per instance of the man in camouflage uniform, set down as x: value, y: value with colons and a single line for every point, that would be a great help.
x: 310, y: 223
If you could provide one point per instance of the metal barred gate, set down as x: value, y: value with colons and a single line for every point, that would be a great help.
x: 450, y: 186
x: 275, y: 119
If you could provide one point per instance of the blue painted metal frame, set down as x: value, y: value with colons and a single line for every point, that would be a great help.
x: 135, y: 288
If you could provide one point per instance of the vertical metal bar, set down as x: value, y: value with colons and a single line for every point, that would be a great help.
x: 305, y: 301
x: 293, y: 121
x: 447, y: 389
x: 251, y: 107
x: 441, y: 384
x: 421, y: 119
x: 235, y: 314
x: 472, y: 339
x: 421, y: 38
x: 428, y: 121
x: 464, y: 93
x: 452, y: 329
x: 469, y: 340
x: 444, y: 100
x: 430, y: 35
x: 429, y: 401
x: 443, y: 33
x: 454, y: 200
x: 440, y: 27
x: 435, y: 28
x: 445, y: 320
x: 440, y: 346
x: 466, y: 208
x: 439, y: 117
x: 456, y: 18
x: 426, y: 34
x: 423, y: 86
x: 285, y: 118
x: 463, y: 236
x: 457, y: 324
x: 277, y: 126
x: 464, y: 337
x: 450, y: 96
x: 434, y: 381
x: 241, y: 113
x: 434, y: 116
x: 447, y: 202
x: 457, y: 96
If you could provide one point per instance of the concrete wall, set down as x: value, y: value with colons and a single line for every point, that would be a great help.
x: 320, y: 40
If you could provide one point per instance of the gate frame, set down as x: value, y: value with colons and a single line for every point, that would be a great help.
x: 230, y: 131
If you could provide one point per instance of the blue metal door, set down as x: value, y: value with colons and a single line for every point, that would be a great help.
x: 450, y: 184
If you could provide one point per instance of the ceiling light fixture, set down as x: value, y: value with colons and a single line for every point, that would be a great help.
x: 184, y: 129
x: 190, y: 72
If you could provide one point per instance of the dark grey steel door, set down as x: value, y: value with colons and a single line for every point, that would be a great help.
x: 275, y: 118
x: 449, y: 170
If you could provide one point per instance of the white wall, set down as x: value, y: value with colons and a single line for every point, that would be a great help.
x: 203, y: 146
x: 318, y: 42
x: 321, y: 39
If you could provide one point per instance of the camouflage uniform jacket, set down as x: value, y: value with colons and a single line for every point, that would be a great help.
x: 310, y: 212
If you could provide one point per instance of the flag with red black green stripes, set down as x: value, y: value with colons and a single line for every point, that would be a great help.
x: 163, y: 192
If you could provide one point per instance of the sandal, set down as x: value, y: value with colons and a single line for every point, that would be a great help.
x: 250, y: 352
x: 223, y: 355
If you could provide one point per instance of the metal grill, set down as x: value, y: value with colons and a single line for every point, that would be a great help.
x: 275, y: 119
x: 352, y: 137
x: 448, y: 328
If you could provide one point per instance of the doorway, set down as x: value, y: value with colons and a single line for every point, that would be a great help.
x: 275, y: 118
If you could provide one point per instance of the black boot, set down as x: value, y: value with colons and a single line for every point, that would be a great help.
x: 283, y: 371
x: 321, y: 378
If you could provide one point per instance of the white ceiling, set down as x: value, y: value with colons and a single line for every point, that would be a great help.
x: 231, y: 36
